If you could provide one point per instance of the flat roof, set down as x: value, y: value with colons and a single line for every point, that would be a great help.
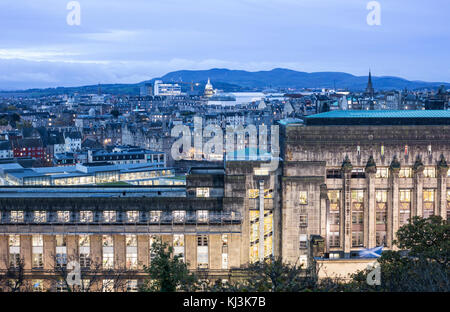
x: 380, y: 117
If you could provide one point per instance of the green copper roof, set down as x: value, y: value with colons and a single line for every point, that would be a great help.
x: 384, y: 114
x: 381, y: 117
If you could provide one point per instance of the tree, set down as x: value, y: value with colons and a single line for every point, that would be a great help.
x: 13, y: 278
x: 273, y: 275
x: 167, y: 272
x: 421, y: 263
x: 115, y: 113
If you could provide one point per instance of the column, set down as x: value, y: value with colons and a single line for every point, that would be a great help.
x: 215, y: 251
x: 143, y: 251
x: 119, y: 251
x: 370, y: 226
x: 261, y: 221
x: 25, y: 251
x: 346, y: 211
x: 441, y: 205
x: 393, y: 205
x: 49, y: 252
x: 190, y: 251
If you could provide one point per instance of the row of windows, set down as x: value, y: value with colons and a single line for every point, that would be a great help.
x: 108, y: 285
x: 111, y: 216
x: 383, y: 172
x: 108, y: 250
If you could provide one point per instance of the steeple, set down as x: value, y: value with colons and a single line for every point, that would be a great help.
x: 369, y: 90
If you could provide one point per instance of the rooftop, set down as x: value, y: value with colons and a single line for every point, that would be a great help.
x: 381, y: 117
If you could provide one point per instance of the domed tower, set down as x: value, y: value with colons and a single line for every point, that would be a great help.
x: 209, y: 90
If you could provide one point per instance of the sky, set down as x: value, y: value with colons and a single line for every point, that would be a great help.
x: 129, y: 41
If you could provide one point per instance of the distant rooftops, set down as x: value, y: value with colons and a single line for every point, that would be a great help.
x: 381, y: 117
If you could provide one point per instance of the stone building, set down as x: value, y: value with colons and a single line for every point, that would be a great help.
x: 347, y: 180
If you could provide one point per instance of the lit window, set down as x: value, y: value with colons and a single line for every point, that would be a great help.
x: 303, y: 241
x: 178, y: 245
x: 132, y: 286
x: 109, y: 216
x: 357, y: 239
x: 303, y: 198
x: 155, y: 216
x: 107, y: 241
x: 108, y: 285
x: 86, y: 216
x: 382, y: 173
x: 429, y: 172
x: 202, y: 192
x: 133, y: 216
x: 38, y: 285
x: 224, y: 251
x: 202, y: 215
x: 253, y: 193
x: 131, y: 240
x: 63, y: 216
x: 17, y: 216
x: 179, y: 215
x: 40, y: 216
x: 405, y: 173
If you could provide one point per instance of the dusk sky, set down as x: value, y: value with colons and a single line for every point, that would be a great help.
x: 130, y: 41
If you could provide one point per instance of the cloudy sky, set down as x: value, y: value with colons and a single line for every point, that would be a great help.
x: 128, y: 41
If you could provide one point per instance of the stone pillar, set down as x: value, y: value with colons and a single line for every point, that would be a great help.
x: 4, y: 252
x: 393, y: 209
x: 49, y: 252
x: 96, y: 251
x: 25, y: 251
x: 440, y: 208
x: 417, y: 209
x: 72, y: 248
x: 370, y: 225
x: 346, y: 211
x: 215, y: 251
x: 234, y: 255
x: 143, y: 248
x: 261, y: 221
x: 324, y: 206
x: 190, y: 251
x: 119, y: 251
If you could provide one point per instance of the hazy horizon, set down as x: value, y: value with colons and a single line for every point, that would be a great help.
x: 137, y: 40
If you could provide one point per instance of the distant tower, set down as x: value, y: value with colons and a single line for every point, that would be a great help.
x: 209, y: 90
x: 369, y: 90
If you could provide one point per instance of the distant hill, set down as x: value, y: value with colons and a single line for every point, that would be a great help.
x: 241, y: 80
x: 286, y: 78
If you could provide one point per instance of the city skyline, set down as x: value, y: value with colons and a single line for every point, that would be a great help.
x: 130, y: 42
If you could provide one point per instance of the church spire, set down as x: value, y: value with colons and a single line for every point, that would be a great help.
x: 369, y: 89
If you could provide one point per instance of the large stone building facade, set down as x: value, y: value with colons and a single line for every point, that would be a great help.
x: 339, y: 188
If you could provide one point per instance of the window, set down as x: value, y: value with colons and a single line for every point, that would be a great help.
x: 155, y: 216
x: 357, y: 217
x: 131, y: 240
x: 405, y: 173
x: 38, y: 285
x: 253, y: 193
x: 61, y: 250
x: 40, y: 216
x: 303, y: 220
x: 334, y: 174
x: 108, y: 260
x: 109, y: 216
x: 152, y: 239
x: 428, y: 203
x: 178, y: 245
x: 107, y: 241
x: 131, y: 251
x: 17, y: 216
x: 14, y: 251
x: 60, y: 286
x: 85, y: 261
x: 202, y: 251
x: 429, y: 172
x: 132, y: 285
x: 334, y: 218
x: 382, y: 173
x: 84, y: 241
x: 179, y: 216
x: 202, y: 216
x: 380, y: 238
x: 303, y: 241
x: 224, y: 251
x: 334, y: 239
x: 133, y: 216
x: 357, y: 200
x: 202, y: 192
x: 358, y: 173
x: 63, y: 216
x: 303, y: 198
x: 405, y: 206
x: 86, y: 216
x: 357, y: 239
x: 37, y: 251
x: 108, y: 285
